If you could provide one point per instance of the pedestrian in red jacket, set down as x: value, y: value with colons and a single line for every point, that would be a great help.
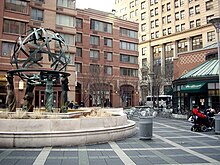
x: 196, y: 111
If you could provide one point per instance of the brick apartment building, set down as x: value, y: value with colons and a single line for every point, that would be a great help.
x: 106, y: 59
x: 17, y: 17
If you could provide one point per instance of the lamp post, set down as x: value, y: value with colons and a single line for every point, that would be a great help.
x: 216, y: 23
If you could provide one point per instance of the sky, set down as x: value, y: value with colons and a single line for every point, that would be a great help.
x: 103, y: 5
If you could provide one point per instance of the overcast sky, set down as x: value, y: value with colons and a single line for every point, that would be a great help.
x: 103, y: 5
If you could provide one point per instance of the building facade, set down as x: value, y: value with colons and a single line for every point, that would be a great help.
x: 166, y: 30
x: 106, y: 60
x: 17, y: 17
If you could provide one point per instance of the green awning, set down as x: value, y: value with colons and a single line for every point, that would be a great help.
x: 194, y: 87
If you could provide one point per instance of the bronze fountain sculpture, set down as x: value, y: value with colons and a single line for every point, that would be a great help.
x: 28, y: 56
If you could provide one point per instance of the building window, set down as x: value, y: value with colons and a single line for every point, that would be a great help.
x: 70, y: 57
x: 177, y: 16
x: 144, y: 63
x: 197, y: 42
x: 156, y: 11
x: 129, y: 72
x: 211, y: 36
x: 79, y: 37
x: 183, y: 27
x: 68, y: 38
x: 94, y: 40
x: 198, y: 22
x: 157, y: 34
x: 128, y: 46
x: 191, y: 11
x: 143, y: 27
x: 108, y: 56
x: 7, y: 48
x: 177, y: 28
x: 143, y: 37
x: 182, y: 14
x: 128, y: 33
x: 143, y: 16
x: 191, y: 24
x: 152, y: 12
x: 15, y: 27
x: 79, y: 23
x: 131, y: 4
x: 190, y: 1
x: 176, y: 3
x: 136, y: 12
x: 163, y: 8
x: 101, y: 26
x: 208, y: 18
x: 181, y: 2
x: 168, y: 6
x: 151, y: 2
x: 65, y: 20
x: 164, y: 32
x: 152, y: 24
x: 169, y: 30
x: 37, y: 14
x: 78, y: 67
x: 169, y: 19
x: 182, y: 46
x: 152, y: 36
x: 108, y: 42
x: 67, y: 3
x: 209, y: 5
x: 144, y: 50
x: 143, y: 5
x: 132, y: 14
x: 108, y: 70
x: 94, y: 54
x: 163, y: 20
x: 94, y: 68
x: 157, y: 23
x: 18, y: 6
x: 169, y: 50
x: 197, y: 9
x: 79, y: 52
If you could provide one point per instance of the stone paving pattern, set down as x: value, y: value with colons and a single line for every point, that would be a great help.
x: 172, y: 143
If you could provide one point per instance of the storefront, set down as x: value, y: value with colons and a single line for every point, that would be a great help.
x: 200, y: 86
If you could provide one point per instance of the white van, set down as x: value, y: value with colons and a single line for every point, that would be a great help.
x: 165, y: 101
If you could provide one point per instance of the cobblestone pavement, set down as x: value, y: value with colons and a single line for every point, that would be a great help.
x: 172, y: 143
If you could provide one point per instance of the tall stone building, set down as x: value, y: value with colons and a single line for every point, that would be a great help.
x: 168, y: 29
x: 17, y: 17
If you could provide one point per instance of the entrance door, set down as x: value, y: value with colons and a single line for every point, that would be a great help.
x: 198, y: 99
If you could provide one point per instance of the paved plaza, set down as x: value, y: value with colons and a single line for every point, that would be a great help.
x: 172, y: 143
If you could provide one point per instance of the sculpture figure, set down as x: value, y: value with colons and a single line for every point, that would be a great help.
x: 28, y: 98
x: 65, y: 88
x: 10, y: 98
x: 49, y: 93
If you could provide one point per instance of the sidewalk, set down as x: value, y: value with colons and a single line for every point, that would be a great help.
x: 172, y: 143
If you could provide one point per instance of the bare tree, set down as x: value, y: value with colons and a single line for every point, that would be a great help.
x: 97, y: 84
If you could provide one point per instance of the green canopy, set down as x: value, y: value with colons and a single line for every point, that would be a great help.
x: 194, y: 87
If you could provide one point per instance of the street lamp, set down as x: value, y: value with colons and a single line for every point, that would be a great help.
x: 216, y: 23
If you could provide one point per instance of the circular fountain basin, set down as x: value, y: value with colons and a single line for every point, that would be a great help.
x: 65, y: 131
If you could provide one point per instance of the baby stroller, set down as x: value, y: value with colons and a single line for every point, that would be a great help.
x: 202, y: 124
